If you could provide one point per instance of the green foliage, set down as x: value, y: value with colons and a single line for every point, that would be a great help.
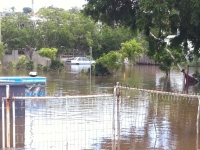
x: 22, y: 58
x: 196, y: 74
x: 11, y: 64
x: 22, y: 62
x: 56, y: 65
x: 45, y: 68
x: 39, y: 67
x: 2, y: 50
x: 111, y: 61
x: 48, y: 52
x: 65, y: 30
x: 109, y: 38
x: 99, y: 70
x: 20, y: 32
x: 131, y: 49
x: 160, y: 17
x: 30, y: 65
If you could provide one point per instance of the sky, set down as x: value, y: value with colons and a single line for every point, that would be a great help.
x: 19, y: 4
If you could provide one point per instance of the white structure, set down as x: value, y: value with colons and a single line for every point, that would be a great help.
x: 33, y: 6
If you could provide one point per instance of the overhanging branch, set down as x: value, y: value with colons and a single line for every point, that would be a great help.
x: 167, y: 50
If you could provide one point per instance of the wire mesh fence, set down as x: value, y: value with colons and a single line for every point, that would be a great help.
x: 129, y: 119
x: 75, y: 122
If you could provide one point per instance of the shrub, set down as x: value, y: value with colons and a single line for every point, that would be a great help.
x: 11, y: 64
x: 45, y: 68
x: 98, y: 70
x: 39, y: 67
x: 56, y: 65
x: 30, y: 65
x: 21, y: 63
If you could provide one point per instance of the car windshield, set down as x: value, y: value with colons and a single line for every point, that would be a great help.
x: 81, y: 58
x: 75, y: 58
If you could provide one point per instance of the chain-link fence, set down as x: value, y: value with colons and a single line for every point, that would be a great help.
x: 130, y: 119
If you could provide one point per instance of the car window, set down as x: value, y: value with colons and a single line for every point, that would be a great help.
x: 81, y: 58
x: 75, y: 58
x: 85, y: 59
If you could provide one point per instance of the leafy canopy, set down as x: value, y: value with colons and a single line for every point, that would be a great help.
x: 48, y: 52
x: 157, y: 18
x: 2, y: 50
x: 111, y: 61
x: 131, y: 49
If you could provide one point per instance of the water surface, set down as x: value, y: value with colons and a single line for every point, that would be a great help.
x: 141, y: 121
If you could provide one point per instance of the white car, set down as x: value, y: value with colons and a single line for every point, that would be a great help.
x: 80, y: 61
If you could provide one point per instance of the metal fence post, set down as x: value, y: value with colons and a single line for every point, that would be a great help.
x: 13, y: 109
x: 116, y: 118
x: 3, y: 125
x: 7, y: 116
x: 118, y: 94
x: 197, y: 124
x: 113, y: 121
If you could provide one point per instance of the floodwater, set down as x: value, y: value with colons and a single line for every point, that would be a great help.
x: 140, y: 121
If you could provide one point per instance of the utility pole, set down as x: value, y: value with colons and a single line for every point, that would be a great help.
x: 33, y: 6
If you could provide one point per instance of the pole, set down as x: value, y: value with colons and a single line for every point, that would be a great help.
x: 90, y: 69
x: 13, y: 108
x: 113, y: 120
x: 3, y: 125
x: 7, y: 116
x: 197, y: 124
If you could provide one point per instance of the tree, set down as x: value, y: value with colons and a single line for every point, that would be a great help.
x: 56, y: 65
x: 48, y: 52
x: 111, y: 61
x: 107, y: 38
x: 156, y: 18
x: 77, y: 33
x: 62, y: 28
x: 1, y: 50
x: 27, y: 10
x: 131, y: 49
x: 19, y: 32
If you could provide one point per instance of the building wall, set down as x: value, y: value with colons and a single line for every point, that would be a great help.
x: 14, y: 57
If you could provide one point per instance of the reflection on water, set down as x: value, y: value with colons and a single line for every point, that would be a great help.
x: 77, y: 68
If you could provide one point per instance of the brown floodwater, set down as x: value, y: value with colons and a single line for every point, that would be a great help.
x: 140, y: 121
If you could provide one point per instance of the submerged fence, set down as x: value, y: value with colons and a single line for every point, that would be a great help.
x: 131, y: 118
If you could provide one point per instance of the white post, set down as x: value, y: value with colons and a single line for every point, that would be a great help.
x: 13, y: 107
x: 3, y: 124
x: 118, y: 94
x: 197, y: 124
x: 113, y: 121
